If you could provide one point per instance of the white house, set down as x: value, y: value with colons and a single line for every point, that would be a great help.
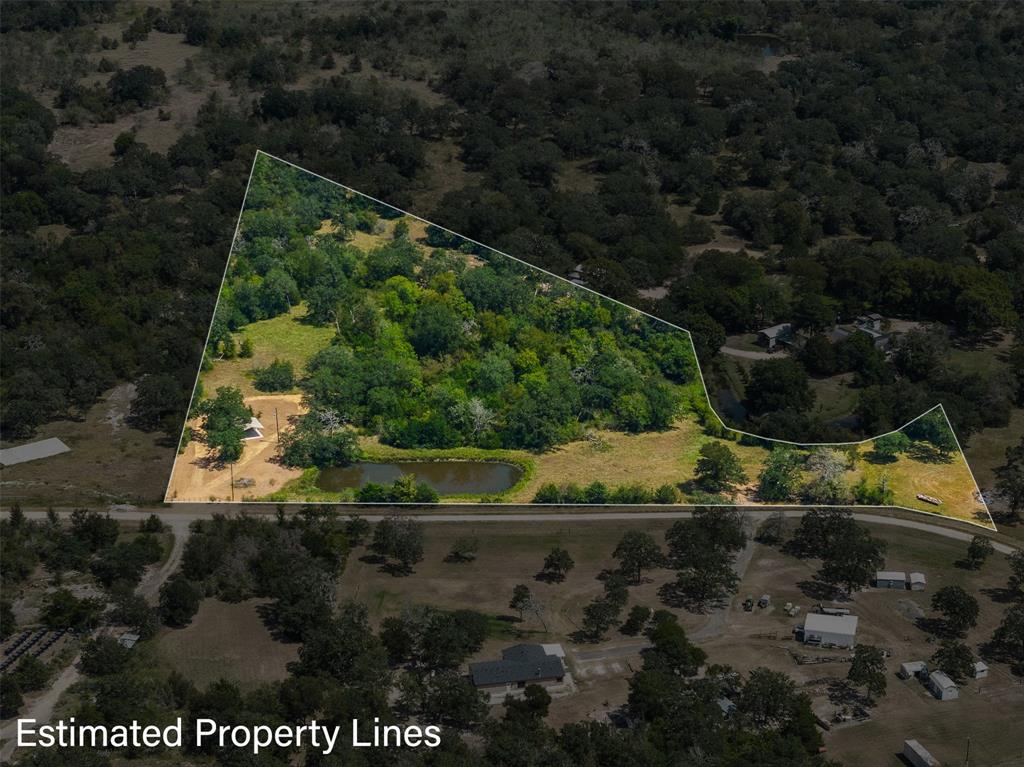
x: 830, y: 630
x: 942, y: 686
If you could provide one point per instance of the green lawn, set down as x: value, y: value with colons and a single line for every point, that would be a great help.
x: 285, y: 337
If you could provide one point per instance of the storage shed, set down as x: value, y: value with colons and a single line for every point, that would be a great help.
x: 912, y: 668
x: 830, y: 630
x: 890, y: 579
x: 980, y: 670
x: 916, y: 581
x: 918, y: 755
x: 253, y: 429
x: 942, y: 686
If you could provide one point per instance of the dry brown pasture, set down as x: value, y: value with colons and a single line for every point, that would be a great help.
x: 227, y: 641
x: 109, y: 462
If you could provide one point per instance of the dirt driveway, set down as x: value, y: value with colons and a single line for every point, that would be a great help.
x: 195, y: 478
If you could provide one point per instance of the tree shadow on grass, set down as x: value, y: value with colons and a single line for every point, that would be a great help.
x: 817, y: 590
x: 1001, y: 594
x: 396, y: 569
x: 268, y: 615
x: 937, y: 627
x: 923, y: 452
x: 879, y: 459
x: 672, y: 595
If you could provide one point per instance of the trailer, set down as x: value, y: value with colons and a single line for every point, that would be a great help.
x: 918, y: 755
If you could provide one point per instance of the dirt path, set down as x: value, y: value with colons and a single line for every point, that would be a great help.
x: 747, y: 355
x: 154, y: 579
x: 716, y: 620
x: 41, y: 709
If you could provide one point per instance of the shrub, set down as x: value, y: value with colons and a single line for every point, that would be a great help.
x: 277, y: 376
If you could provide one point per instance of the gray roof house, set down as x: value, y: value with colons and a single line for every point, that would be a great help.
x: 771, y: 337
x: 520, y: 665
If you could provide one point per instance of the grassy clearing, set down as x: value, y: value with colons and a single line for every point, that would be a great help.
x: 227, y: 641
x: 907, y: 710
x: 950, y: 481
x: 285, y: 337
x: 836, y: 398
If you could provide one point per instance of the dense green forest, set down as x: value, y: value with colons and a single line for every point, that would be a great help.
x: 724, y: 165
x: 458, y: 346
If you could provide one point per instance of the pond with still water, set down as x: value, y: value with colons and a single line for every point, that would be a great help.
x: 446, y: 477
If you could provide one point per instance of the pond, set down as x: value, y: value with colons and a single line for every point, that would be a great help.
x: 446, y: 477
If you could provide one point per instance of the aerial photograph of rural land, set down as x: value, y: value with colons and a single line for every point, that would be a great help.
x: 435, y: 383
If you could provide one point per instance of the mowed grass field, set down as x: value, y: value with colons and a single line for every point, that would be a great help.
x: 227, y: 641
x: 285, y: 338
x: 619, y: 458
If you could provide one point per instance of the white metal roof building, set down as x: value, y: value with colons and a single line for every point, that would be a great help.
x: 942, y: 686
x: 916, y: 581
x: 980, y: 670
x: 918, y: 755
x: 830, y: 630
x: 912, y: 668
x: 253, y: 429
x: 890, y: 579
x: 33, y: 451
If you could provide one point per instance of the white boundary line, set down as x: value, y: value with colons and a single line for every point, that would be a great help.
x: 209, y: 330
x: 700, y: 373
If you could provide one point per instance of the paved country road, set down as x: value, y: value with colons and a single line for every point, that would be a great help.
x: 184, y: 514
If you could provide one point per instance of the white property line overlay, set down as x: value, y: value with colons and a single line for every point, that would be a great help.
x: 979, y: 495
x: 213, y: 317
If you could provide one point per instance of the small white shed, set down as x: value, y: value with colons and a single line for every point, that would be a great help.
x: 912, y: 668
x: 942, y: 686
x: 918, y: 755
x: 980, y: 670
x: 916, y: 581
x: 890, y: 579
x: 253, y: 429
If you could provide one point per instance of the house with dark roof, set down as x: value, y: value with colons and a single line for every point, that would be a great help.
x: 776, y: 336
x: 520, y: 665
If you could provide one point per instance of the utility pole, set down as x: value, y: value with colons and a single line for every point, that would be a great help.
x: 277, y: 426
x: 967, y: 759
x: 231, y: 466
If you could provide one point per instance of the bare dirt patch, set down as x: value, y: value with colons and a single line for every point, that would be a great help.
x: 197, y: 477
